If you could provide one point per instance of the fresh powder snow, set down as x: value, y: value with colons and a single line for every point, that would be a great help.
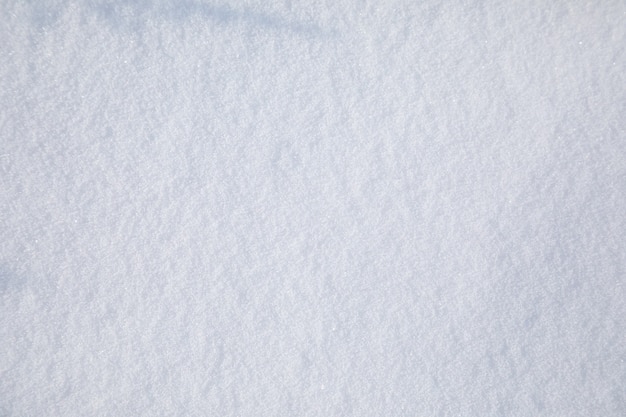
x: 312, y: 208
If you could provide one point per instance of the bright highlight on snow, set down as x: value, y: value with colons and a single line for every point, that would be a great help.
x: 303, y: 208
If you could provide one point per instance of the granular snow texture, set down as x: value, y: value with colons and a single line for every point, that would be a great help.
x: 312, y: 208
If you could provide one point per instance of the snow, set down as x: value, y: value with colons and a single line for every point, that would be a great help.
x: 368, y: 208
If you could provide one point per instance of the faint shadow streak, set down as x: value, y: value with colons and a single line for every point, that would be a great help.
x: 134, y: 14
x: 223, y: 14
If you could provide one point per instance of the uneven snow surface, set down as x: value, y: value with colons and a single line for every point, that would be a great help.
x: 312, y: 208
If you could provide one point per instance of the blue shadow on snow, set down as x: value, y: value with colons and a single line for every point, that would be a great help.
x: 133, y: 15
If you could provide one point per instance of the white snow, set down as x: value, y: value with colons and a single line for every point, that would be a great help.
x: 277, y: 208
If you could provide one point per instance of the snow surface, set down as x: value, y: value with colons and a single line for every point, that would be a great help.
x: 312, y: 208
